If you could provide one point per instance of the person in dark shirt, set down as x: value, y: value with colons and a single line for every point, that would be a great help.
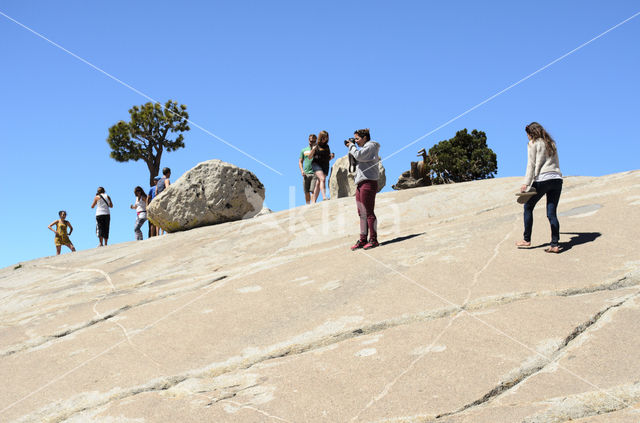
x: 153, y: 231
x: 164, y: 182
x: 161, y: 185
x: 320, y: 156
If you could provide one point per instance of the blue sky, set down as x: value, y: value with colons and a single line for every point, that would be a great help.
x: 263, y: 75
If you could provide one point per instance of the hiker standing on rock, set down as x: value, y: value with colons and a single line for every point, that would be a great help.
x: 140, y: 207
x: 308, y: 177
x: 62, y: 236
x: 163, y: 184
x: 153, y: 231
x: 320, y: 156
x: 103, y: 215
x: 366, y: 180
x: 544, y: 176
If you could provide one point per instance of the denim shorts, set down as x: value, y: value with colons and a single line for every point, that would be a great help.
x: 316, y: 167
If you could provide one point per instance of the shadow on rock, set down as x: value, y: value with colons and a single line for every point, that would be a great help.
x: 400, y: 239
x: 577, y: 238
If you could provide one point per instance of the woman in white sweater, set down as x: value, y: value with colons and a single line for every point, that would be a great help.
x: 544, y: 175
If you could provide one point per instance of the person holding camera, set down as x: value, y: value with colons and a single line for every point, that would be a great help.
x: 320, y: 156
x: 366, y: 180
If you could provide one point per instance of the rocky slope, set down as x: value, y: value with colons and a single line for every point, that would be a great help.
x: 274, y: 319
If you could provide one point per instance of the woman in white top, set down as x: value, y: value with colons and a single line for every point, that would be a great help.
x: 102, y: 202
x: 544, y: 175
x: 141, y: 211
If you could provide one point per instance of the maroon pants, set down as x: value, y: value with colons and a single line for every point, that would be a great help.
x: 366, y: 201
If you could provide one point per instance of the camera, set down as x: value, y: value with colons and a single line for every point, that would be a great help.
x: 349, y: 141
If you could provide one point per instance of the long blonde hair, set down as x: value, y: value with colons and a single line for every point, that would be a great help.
x: 536, y: 131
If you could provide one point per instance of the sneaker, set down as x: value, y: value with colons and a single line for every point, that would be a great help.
x: 371, y: 244
x: 359, y: 244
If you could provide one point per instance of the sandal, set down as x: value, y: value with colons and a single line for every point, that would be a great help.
x: 523, y: 244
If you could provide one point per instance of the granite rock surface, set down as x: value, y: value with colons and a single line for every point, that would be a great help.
x: 274, y: 319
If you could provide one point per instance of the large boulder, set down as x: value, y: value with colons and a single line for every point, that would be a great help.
x: 341, y: 182
x: 212, y: 192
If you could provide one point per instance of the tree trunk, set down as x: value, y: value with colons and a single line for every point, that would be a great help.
x: 154, y: 167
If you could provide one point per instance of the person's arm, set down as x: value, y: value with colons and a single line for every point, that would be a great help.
x: 167, y: 182
x: 70, y: 227
x: 95, y: 200
x: 531, y: 164
x: 300, y: 166
x: 367, y: 153
x: 110, y: 202
x: 51, y: 224
x: 312, y: 152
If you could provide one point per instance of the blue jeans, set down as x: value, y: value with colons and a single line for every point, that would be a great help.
x: 552, y: 189
x: 139, y: 222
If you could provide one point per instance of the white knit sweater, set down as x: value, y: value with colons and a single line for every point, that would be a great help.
x: 538, y: 161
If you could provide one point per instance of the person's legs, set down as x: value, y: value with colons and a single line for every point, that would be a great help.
x: 107, y: 223
x: 368, y: 191
x: 58, y: 248
x: 306, y: 185
x: 362, y: 213
x: 322, y: 181
x: 136, y: 228
x: 319, y: 185
x: 71, y: 247
x: 314, y: 182
x: 553, y: 198
x: 100, y: 229
x: 528, y: 213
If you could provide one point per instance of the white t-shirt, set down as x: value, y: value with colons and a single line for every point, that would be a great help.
x: 141, y: 206
x: 546, y: 176
x: 102, y: 206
